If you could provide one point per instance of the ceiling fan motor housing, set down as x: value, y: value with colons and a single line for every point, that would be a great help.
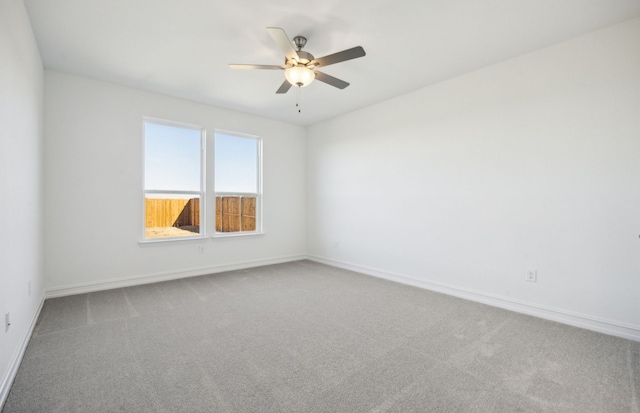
x: 303, y: 59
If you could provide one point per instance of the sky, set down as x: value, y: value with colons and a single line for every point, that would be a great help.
x: 172, y: 160
x: 236, y: 169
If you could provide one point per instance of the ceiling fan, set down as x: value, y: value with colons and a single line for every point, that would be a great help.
x: 299, y: 66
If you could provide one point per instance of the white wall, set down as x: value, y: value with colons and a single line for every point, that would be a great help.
x: 21, y: 86
x: 533, y: 163
x: 93, y: 188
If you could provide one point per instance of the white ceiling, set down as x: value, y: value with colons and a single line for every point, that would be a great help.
x: 182, y: 47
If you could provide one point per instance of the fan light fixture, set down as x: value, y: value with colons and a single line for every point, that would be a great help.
x: 300, y: 76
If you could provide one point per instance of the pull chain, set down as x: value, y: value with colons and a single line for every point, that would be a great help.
x: 298, y: 104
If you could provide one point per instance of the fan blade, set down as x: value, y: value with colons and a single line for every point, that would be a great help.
x: 330, y: 80
x: 284, y: 88
x: 268, y: 67
x: 342, y: 56
x: 282, y: 40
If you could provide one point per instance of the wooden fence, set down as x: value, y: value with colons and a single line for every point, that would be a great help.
x: 233, y: 213
x: 162, y: 212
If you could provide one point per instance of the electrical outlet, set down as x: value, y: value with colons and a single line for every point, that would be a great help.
x: 201, y: 249
x: 29, y: 288
x: 531, y: 276
x: 7, y: 321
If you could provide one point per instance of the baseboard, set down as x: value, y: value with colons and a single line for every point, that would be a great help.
x: 555, y: 314
x: 163, y: 276
x: 14, y: 365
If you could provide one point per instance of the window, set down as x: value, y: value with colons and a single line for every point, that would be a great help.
x: 237, y: 183
x: 173, y: 180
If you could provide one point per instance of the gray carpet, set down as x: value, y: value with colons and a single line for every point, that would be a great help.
x: 304, y: 337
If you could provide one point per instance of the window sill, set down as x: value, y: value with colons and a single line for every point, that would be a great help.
x: 170, y: 240
x: 178, y: 240
x: 236, y: 234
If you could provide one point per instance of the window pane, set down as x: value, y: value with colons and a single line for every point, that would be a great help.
x: 173, y: 180
x: 171, y: 215
x: 235, y: 213
x: 172, y: 158
x: 236, y: 164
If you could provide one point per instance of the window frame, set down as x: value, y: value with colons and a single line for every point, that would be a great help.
x: 259, y: 194
x: 201, y: 193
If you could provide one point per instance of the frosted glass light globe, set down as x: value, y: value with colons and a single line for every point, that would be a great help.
x: 299, y: 76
